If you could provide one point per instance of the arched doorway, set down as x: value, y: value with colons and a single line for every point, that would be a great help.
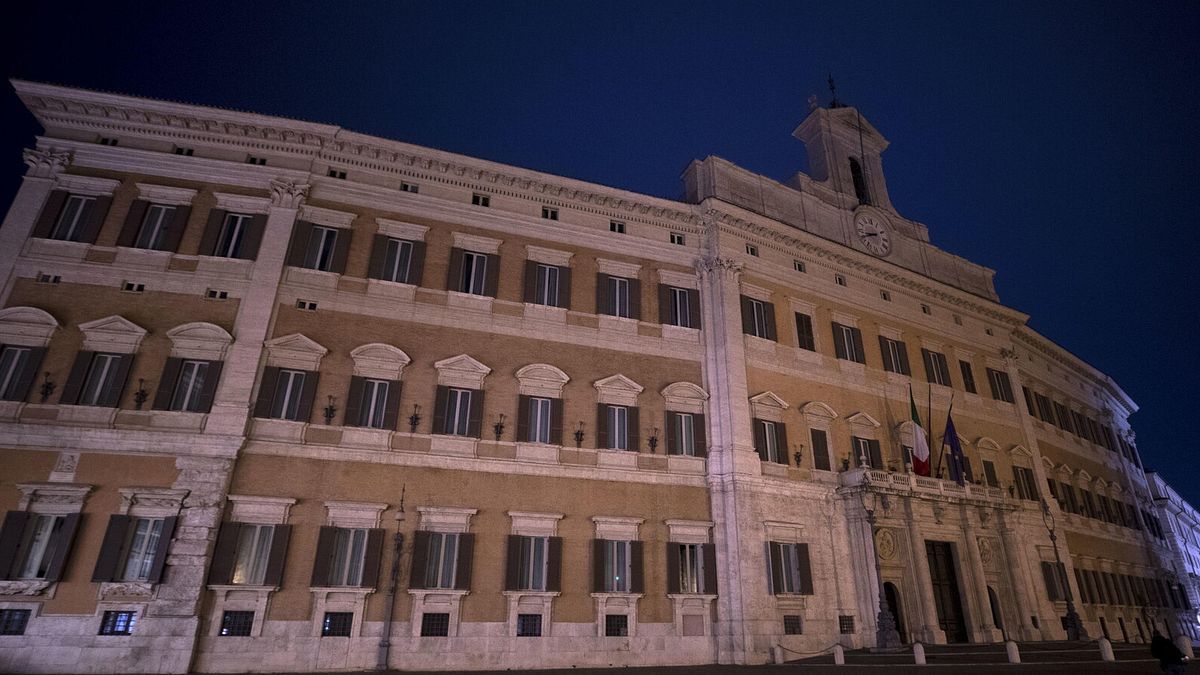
x: 997, y: 615
x: 892, y: 596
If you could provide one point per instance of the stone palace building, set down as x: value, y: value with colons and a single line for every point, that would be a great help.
x: 281, y: 396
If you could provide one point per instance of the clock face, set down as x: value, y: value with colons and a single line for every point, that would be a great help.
x: 873, y: 234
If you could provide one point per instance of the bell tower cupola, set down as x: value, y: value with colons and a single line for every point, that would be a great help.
x: 844, y: 153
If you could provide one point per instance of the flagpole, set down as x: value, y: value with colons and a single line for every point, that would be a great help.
x: 946, y: 431
x: 929, y: 434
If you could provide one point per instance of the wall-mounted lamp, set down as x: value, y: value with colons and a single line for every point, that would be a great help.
x: 140, y: 396
x: 498, y: 427
x: 47, y: 387
x: 798, y: 455
x: 330, y: 410
x: 414, y: 419
x: 653, y: 439
x: 579, y: 435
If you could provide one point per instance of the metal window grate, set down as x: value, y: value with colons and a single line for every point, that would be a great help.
x: 435, y: 624
x: 13, y: 621
x: 337, y: 624
x: 118, y: 623
x: 529, y: 625
x: 616, y: 625
x: 237, y: 624
x: 792, y: 624
x: 846, y: 624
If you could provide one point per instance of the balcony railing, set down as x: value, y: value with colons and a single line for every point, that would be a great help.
x: 911, y: 482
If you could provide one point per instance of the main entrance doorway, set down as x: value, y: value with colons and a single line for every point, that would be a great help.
x: 945, y: 590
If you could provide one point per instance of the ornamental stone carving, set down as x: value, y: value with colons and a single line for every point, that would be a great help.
x: 45, y: 163
x: 23, y: 587
x: 126, y: 589
x: 885, y: 544
x: 710, y: 264
x: 288, y: 194
x: 986, y: 554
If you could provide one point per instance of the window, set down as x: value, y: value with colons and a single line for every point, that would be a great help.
x: 884, y: 295
x: 539, y: 420
x: 474, y: 273
x: 925, y: 309
x: 458, y: 412
x: 866, y: 449
x: 936, y: 370
x: 133, y: 287
x: 804, y: 332
x: 236, y: 624
x: 409, y: 187
x: 792, y: 624
x: 337, y: 173
x: 618, y: 297
x: 531, y: 563
x: 337, y: 624
x: 616, y: 625
x: 289, y: 388
x: 860, y: 182
x: 968, y: 376
x: 549, y: 213
x: 677, y: 238
x: 1055, y: 576
x: 349, y: 553
x: 154, y: 224
x: 13, y: 363
x: 820, y: 449
x: 214, y: 294
x: 71, y: 219
x: 751, y: 249
x: 397, y: 259
x: 989, y: 331
x: 958, y: 320
x: 188, y: 387
x: 617, y: 227
x: 101, y: 376
x: 118, y: 623
x: 306, y: 305
x: 757, y: 318
x: 989, y: 474
x: 321, y: 244
x: 839, y: 279
x: 691, y: 569
x: 545, y: 291
x: 798, y: 265
x: 1023, y: 478
x: 479, y: 199
x: 373, y: 407
x: 618, y: 427
x: 38, y: 544
x: 14, y: 621
x: 253, y: 552
x: 144, y: 539
x: 257, y: 161
x: 529, y: 625
x: 770, y: 440
x: 442, y: 560
x: 616, y: 566
x: 679, y: 307
x: 847, y: 343
x: 108, y: 141
x: 48, y: 278
x: 846, y: 624
x: 682, y: 434
x: 790, y: 569
x: 1000, y: 384
x: 232, y: 235
x: 895, y: 356
x: 186, y: 152
x: 1045, y: 408
x: 1063, y: 417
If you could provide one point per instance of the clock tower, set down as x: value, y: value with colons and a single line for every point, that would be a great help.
x: 844, y: 153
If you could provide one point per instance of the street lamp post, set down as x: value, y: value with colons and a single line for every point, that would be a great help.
x: 1075, y: 630
x: 385, y: 640
x: 886, y: 635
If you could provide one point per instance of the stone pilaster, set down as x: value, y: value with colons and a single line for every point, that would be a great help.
x: 929, y: 629
x: 1018, y: 577
x: 985, y: 629
x: 40, y: 178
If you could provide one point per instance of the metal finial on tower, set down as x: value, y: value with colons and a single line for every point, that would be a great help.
x: 834, y: 103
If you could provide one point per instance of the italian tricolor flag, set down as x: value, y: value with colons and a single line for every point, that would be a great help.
x: 920, y: 451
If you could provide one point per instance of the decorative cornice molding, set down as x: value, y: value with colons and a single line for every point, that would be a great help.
x: 45, y: 163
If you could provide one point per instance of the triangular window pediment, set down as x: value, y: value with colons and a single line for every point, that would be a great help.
x: 770, y: 400
x: 618, y: 390
x: 112, y: 334
x: 461, y: 371
x: 1020, y: 451
x: 295, y: 351
x: 862, y: 419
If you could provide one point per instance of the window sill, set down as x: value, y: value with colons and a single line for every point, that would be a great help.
x: 126, y: 589
x: 26, y: 587
x: 303, y: 276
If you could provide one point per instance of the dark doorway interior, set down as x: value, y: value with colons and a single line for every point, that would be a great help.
x: 997, y: 615
x: 945, y: 590
x: 893, y: 600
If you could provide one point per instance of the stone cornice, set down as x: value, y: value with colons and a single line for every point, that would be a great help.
x: 1048, y: 349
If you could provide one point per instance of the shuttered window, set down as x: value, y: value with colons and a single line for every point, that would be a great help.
x: 38, y: 545
x: 691, y: 568
x: 866, y: 449
x: 1001, y: 385
x: 289, y: 390
x: 189, y: 386
x: 679, y: 306
x: 847, y: 343
x: 97, y: 379
x: 989, y: 474
x: 232, y: 236
x: 18, y: 367
x: 458, y: 412
x: 397, y: 260
x: 895, y: 356
x: 616, y: 566
x: 968, y: 376
x: 72, y: 219
x: 154, y: 226
x: 685, y: 435
x: 804, y: 332
x: 1055, y: 577
x: 618, y: 297
x: 441, y: 560
x: 539, y: 419
x: 543, y: 284
x: 791, y: 571
x: 770, y: 440
x: 820, y: 448
x: 253, y: 552
x: 373, y: 409
x: 145, y: 536
x: 349, y: 553
x: 474, y: 273
x: 321, y: 244
x: 936, y: 369
x: 758, y: 318
x: 617, y: 427
x: 532, y: 563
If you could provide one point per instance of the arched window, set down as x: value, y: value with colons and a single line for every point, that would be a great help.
x: 860, y: 182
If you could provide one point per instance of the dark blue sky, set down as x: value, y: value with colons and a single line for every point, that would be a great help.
x: 1054, y: 142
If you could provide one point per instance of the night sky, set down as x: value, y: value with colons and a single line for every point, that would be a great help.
x: 1053, y: 142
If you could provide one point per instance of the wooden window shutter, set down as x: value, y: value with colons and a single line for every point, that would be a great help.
x: 372, y: 557
x: 420, y: 559
x: 804, y: 566
x: 463, y: 565
x: 693, y: 296
x: 673, y: 568
x: 475, y: 420
x: 266, y: 392
x: 781, y: 443
x: 133, y: 222
x: 454, y: 270
x: 391, y: 411
x: 379, y: 246
x: 876, y: 455
x: 564, y: 287
x: 159, y: 564
x: 664, y: 304
x: 554, y: 549
x: 1048, y: 575
x: 110, y: 549
x: 634, y: 430
x: 208, y: 392
x: 70, y: 391
x: 62, y: 547
x: 769, y: 313
x: 280, y: 536
x: 225, y: 553
x: 50, y: 212
x: 33, y: 366
x: 888, y: 363
x: 11, y: 534
x: 352, y: 415
x: 859, y: 352
x: 709, y: 551
x: 839, y: 341
x: 308, y: 392
x: 341, y: 250
x: 556, y: 421
x: 523, y: 431
x: 820, y: 448
x: 323, y: 560
x: 531, y: 268
x: 212, y: 231
x: 298, y: 249
x: 927, y: 357
x: 252, y: 240
x: 173, y: 233
x: 599, y: 557
x: 166, y: 384
x: 672, y: 437
x: 902, y: 349
x: 512, y: 565
x: 747, y: 314
x: 440, y: 401
x: 775, y: 559
x: 635, y: 299
x: 637, y: 563
x: 602, y: 301
x: 93, y: 219
x: 700, y: 432
x: 601, y: 426
x: 116, y: 385
x: 760, y: 438
x: 491, y: 283
x: 416, y: 264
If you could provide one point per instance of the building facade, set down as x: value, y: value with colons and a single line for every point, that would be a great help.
x: 1181, y: 523
x: 281, y: 396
